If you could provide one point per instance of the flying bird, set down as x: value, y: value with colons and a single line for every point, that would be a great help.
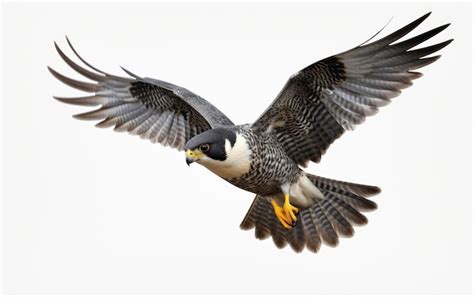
x: 267, y: 157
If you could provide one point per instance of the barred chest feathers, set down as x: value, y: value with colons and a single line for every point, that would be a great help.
x: 237, y: 162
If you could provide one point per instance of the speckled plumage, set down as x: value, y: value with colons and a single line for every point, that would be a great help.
x: 315, y: 107
x: 266, y: 153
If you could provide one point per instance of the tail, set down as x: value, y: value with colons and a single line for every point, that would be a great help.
x: 324, y: 221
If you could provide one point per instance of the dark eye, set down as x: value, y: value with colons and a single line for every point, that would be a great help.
x: 204, y: 147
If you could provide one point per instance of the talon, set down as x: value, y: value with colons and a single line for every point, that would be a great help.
x: 289, y: 209
x: 286, y: 214
x: 281, y: 216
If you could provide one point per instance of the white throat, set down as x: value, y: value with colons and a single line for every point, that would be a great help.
x: 237, y: 162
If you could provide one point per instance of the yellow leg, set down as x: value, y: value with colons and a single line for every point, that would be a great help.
x: 280, y: 214
x: 286, y: 214
x: 289, y: 209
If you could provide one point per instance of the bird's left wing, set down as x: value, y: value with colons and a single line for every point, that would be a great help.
x: 154, y: 109
x: 320, y: 102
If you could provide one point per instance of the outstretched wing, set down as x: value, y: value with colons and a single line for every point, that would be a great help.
x: 153, y: 109
x: 328, y: 97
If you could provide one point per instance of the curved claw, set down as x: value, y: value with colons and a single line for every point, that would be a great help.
x: 286, y: 214
x: 289, y: 209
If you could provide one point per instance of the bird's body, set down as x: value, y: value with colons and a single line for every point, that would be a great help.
x: 256, y: 153
x: 266, y: 157
x: 247, y: 163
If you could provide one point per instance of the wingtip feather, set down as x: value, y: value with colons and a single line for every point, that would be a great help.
x: 130, y: 73
x: 77, y: 68
x: 90, y: 116
x: 81, y: 101
x: 80, y: 58
x: 80, y: 85
x: 427, y: 14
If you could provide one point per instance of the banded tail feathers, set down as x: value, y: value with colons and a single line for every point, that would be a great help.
x: 325, y: 220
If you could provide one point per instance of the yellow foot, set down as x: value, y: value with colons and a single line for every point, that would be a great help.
x: 286, y: 214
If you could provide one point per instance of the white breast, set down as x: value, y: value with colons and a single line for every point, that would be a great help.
x: 237, y: 162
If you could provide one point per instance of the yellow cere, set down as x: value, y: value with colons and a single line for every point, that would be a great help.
x: 195, y: 154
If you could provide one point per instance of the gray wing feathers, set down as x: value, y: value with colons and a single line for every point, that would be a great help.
x: 375, y: 74
x: 154, y: 109
x: 336, y: 94
x: 368, y: 49
x: 213, y: 115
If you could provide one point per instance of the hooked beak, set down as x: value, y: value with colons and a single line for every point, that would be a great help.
x: 189, y: 161
x: 193, y: 155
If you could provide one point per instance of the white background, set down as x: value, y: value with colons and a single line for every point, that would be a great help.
x: 92, y: 211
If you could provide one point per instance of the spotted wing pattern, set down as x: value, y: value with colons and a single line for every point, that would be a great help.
x: 154, y: 109
x: 320, y: 102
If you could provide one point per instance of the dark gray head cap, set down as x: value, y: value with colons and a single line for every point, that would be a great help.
x: 213, y: 136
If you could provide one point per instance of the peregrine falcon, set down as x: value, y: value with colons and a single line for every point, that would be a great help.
x: 267, y: 157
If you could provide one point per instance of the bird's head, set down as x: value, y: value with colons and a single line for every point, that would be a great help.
x: 221, y: 150
x: 209, y: 145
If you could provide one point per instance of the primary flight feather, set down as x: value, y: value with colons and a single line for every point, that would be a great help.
x: 313, y: 109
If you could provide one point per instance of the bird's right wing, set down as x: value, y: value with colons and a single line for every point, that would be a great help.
x: 320, y: 102
x: 154, y: 109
